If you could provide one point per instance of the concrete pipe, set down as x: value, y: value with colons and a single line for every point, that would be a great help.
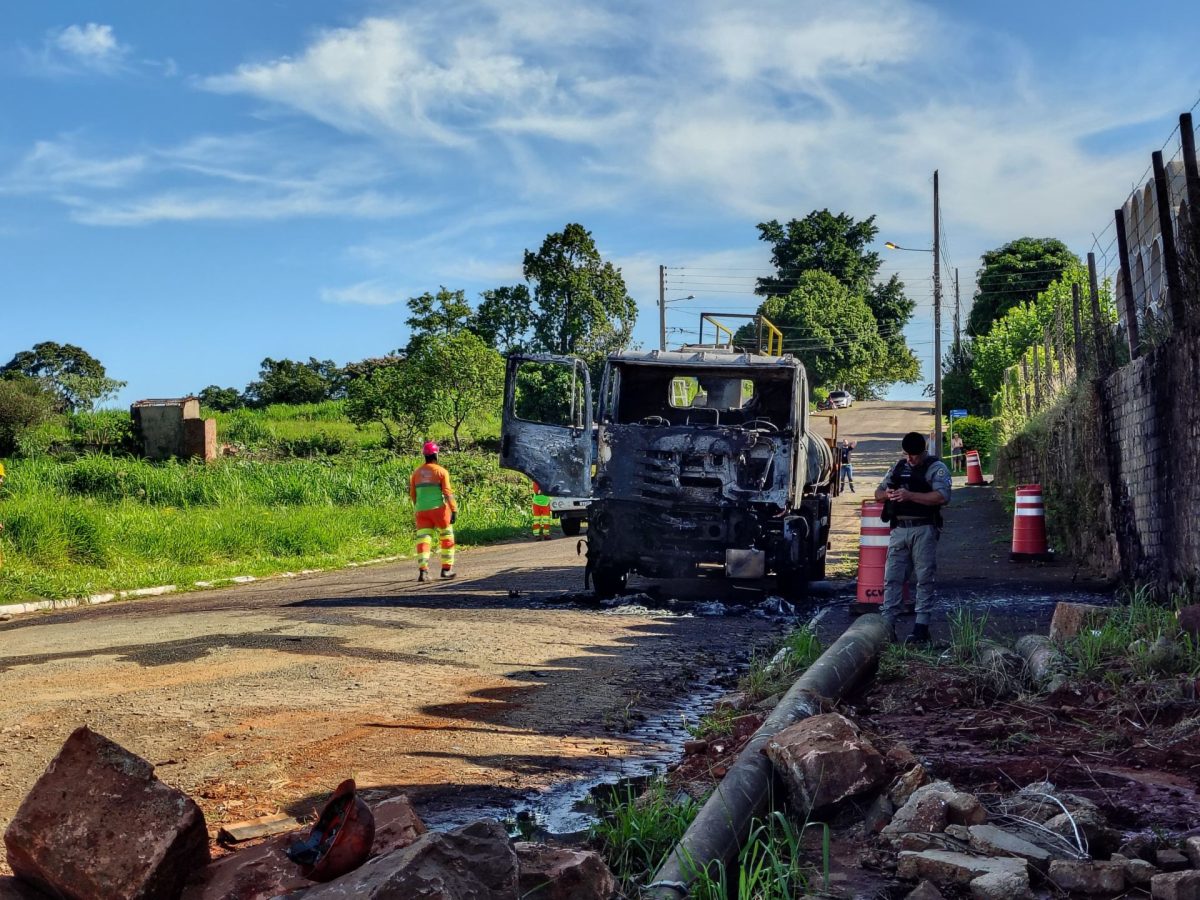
x: 722, y: 825
x: 1043, y: 660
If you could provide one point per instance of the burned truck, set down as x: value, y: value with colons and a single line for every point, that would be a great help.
x: 697, y: 460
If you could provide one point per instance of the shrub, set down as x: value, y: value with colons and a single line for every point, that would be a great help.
x: 24, y: 404
x: 977, y: 433
x: 109, y: 430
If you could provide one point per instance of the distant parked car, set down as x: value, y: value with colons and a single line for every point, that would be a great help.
x: 840, y: 400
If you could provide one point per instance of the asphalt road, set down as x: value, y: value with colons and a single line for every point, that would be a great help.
x: 502, y: 682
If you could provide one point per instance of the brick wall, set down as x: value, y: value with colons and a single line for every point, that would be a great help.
x: 1118, y: 465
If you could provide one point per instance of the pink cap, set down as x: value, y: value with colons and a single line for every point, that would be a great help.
x: 430, y: 448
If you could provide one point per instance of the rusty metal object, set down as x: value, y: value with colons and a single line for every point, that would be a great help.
x: 341, y: 839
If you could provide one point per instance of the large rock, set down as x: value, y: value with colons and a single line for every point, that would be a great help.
x: 552, y: 873
x: 824, y: 759
x: 1087, y: 876
x: 475, y: 862
x: 1071, y: 618
x: 965, y: 809
x: 925, y: 891
x: 1090, y: 822
x: 1176, y: 886
x: 945, y: 867
x: 99, y: 826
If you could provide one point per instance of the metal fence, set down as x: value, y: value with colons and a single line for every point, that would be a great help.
x: 1143, y: 285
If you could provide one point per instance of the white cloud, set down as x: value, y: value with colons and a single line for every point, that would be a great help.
x: 392, y: 76
x: 365, y: 293
x: 56, y: 165
x: 91, y: 46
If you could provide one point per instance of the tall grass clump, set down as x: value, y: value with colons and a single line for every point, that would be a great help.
x: 636, y: 832
x: 101, y: 522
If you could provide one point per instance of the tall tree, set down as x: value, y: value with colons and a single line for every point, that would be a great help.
x: 582, y: 305
x: 1013, y: 274
x: 433, y: 315
x: 77, y: 378
x: 838, y: 246
x: 463, y: 377
x: 504, y: 318
x: 290, y: 381
x: 396, y: 395
x: 830, y: 329
x: 221, y: 399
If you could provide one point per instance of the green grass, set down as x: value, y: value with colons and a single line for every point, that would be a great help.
x: 635, y: 833
x: 764, y: 679
x: 100, y: 523
x: 1136, y: 632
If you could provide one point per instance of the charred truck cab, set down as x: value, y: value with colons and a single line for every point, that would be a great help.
x: 697, y: 460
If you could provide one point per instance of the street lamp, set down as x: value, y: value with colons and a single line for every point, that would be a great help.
x: 937, y: 318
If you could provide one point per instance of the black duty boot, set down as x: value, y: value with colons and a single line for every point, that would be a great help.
x: 920, y: 634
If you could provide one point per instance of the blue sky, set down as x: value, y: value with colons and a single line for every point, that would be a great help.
x: 189, y: 187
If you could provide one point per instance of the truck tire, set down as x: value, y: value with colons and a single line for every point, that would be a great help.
x: 571, y: 526
x: 609, y: 581
x: 816, y: 569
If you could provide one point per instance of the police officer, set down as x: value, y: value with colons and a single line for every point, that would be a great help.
x: 916, y: 487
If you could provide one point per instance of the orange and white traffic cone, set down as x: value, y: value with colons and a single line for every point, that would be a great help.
x: 1029, y: 525
x: 872, y: 558
x: 974, y: 468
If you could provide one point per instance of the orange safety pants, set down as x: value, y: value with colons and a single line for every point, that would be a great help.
x: 433, y: 525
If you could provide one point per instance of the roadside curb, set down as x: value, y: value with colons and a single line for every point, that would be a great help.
x: 7, y: 611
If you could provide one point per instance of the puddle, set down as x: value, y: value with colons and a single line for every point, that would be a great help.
x: 568, y: 808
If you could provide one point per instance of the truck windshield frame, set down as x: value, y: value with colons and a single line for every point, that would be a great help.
x: 728, y: 396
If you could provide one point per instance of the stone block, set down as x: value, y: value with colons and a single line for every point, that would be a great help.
x: 142, y: 837
x: 552, y: 873
x: 823, y: 760
x: 1000, y: 886
x: 1138, y: 872
x: 1170, y: 860
x: 1087, y: 876
x: 925, y: 811
x: 1192, y: 847
x: 925, y: 891
x: 907, y: 782
x: 476, y: 861
x: 1176, y: 886
x: 1071, y: 618
x: 965, y: 809
x: 993, y: 841
x: 945, y: 867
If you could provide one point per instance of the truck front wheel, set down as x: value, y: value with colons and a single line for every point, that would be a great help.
x: 609, y: 581
x: 571, y: 526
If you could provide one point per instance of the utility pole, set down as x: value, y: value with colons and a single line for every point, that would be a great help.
x: 957, y: 314
x: 937, y: 323
x: 662, y: 307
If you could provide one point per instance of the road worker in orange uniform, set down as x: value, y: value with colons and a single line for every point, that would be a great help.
x: 433, y: 500
x: 542, y: 517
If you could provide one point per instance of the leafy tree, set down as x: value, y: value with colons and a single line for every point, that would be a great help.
x: 289, y: 381
x: 1013, y: 274
x: 432, y: 315
x: 838, y: 245
x: 24, y: 403
x: 830, y: 329
x: 77, y: 378
x: 958, y: 390
x: 395, y: 395
x: 504, y: 318
x: 221, y: 399
x: 582, y: 306
x: 463, y: 376
x: 1024, y: 325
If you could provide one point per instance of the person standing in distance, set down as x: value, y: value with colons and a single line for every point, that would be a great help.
x: 433, y: 500
x: 845, y: 449
x: 915, y: 489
